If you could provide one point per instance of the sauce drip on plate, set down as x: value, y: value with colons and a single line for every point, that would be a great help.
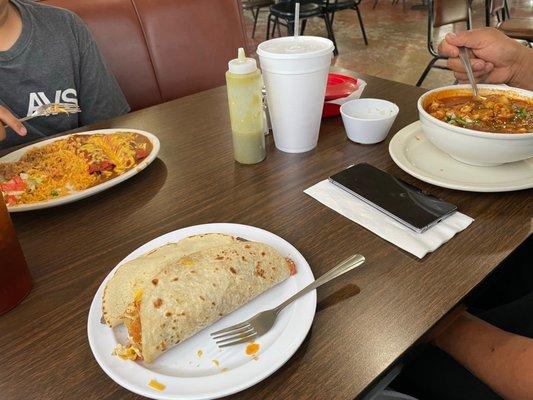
x: 252, y: 349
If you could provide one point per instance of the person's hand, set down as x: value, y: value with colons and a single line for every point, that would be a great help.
x: 497, y: 58
x: 6, y: 118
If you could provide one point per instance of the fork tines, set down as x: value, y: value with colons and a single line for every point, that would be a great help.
x: 56, y: 108
x: 239, y: 333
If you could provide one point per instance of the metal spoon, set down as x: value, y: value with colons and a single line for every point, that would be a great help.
x: 465, y: 58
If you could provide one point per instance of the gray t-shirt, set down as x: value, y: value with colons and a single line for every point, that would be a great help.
x: 55, y: 59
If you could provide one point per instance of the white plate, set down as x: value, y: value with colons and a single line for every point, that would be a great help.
x: 15, y: 156
x: 413, y: 153
x: 188, y: 376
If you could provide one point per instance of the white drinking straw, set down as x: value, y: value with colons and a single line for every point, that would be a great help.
x: 296, y: 19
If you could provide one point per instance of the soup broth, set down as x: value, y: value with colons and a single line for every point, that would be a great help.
x: 497, y: 113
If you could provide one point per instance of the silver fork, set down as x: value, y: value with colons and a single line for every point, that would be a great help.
x: 262, y: 322
x: 51, y: 109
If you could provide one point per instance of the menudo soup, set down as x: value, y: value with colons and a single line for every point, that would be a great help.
x: 497, y: 113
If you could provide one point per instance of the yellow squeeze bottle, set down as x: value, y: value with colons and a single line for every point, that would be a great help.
x: 244, y: 84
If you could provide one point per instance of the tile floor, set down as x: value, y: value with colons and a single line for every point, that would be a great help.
x: 397, y: 39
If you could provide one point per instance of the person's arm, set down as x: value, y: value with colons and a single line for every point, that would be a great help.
x: 6, y: 118
x: 496, y: 57
x: 502, y: 360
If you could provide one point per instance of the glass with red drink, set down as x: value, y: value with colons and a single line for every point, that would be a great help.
x: 15, y: 279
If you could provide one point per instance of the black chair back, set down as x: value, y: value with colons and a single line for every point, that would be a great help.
x: 496, y: 6
x: 445, y: 12
x: 440, y: 13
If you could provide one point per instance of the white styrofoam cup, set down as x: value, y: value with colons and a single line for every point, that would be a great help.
x: 295, y: 72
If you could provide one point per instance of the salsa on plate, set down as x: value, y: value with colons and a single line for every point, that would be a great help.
x: 497, y: 113
x: 74, y: 163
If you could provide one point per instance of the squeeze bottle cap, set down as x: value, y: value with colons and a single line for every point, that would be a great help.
x: 242, y: 64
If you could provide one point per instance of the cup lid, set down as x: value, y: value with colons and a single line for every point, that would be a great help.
x: 290, y: 47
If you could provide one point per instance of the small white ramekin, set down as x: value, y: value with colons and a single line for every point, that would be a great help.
x: 368, y: 121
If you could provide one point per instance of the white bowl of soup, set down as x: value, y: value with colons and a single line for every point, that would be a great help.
x: 492, y: 130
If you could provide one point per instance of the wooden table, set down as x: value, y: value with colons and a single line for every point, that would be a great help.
x: 364, y: 321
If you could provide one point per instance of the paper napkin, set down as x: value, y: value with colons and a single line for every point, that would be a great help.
x: 386, y: 227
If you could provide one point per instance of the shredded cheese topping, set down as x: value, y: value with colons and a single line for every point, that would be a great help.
x: 128, y: 352
x: 133, y: 350
x: 156, y: 385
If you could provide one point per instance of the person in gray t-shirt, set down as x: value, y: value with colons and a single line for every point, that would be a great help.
x: 47, y: 55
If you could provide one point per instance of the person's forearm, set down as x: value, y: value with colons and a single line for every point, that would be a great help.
x: 504, y: 361
x: 523, y: 75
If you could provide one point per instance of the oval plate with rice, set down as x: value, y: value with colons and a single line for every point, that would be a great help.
x: 102, y: 167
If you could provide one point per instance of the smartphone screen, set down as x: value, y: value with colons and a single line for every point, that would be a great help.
x: 396, y: 198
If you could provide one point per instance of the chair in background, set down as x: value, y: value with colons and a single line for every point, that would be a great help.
x: 516, y: 28
x: 441, y: 13
x: 333, y: 6
x: 496, y: 8
x: 282, y: 13
x: 255, y: 6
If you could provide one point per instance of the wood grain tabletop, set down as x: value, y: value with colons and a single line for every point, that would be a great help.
x: 364, y: 321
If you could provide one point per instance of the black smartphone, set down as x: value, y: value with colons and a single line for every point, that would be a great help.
x: 404, y: 202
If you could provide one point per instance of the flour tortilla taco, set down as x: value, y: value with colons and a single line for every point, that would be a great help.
x: 136, y: 273
x: 186, y: 296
